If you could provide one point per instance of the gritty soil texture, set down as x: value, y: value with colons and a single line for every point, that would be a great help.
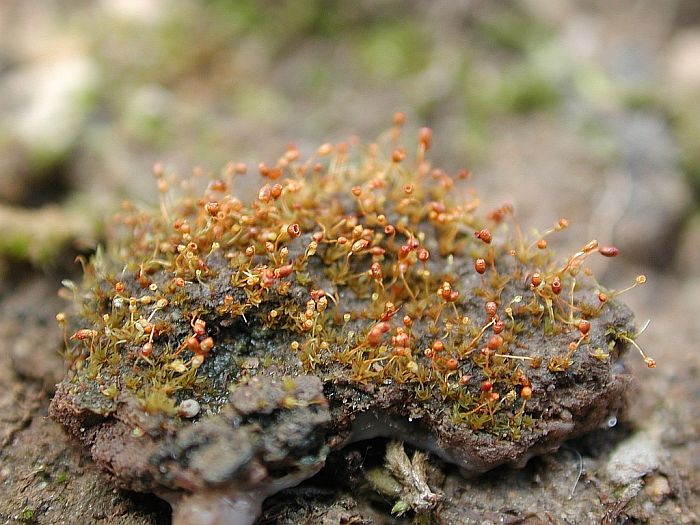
x: 586, y: 160
x: 43, y: 477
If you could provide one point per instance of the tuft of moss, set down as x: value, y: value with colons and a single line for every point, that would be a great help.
x: 358, y: 293
x: 356, y: 264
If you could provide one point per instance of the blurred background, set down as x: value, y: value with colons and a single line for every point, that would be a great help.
x: 584, y: 109
x: 581, y: 108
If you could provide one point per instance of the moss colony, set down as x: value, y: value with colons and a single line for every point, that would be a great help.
x: 221, y: 348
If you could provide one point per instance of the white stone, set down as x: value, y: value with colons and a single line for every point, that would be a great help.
x: 633, y: 459
x: 684, y: 60
x: 54, y: 108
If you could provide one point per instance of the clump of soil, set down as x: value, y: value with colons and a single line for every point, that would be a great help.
x: 220, y: 349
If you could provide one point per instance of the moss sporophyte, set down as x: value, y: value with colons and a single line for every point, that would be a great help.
x: 359, y: 293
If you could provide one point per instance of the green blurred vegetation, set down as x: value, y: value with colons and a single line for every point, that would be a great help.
x: 685, y: 118
x: 261, y: 60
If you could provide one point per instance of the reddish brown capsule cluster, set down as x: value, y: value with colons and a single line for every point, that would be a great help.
x: 283, y: 271
x: 464, y: 380
x: 447, y: 293
x: 375, y: 271
x: 193, y: 344
x: 398, y: 155
x: 400, y: 341
x: 376, y: 333
x: 199, y: 343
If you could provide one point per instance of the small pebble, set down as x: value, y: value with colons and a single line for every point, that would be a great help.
x: 658, y: 487
x: 188, y: 408
x: 633, y: 459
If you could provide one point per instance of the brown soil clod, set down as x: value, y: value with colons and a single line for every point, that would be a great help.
x: 340, y: 305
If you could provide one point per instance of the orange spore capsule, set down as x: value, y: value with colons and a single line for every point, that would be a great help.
x: 495, y: 342
x: 276, y: 191
x: 147, y: 349
x: 491, y: 307
x: 284, y: 271
x: 193, y: 344
x: 206, y: 345
x: 484, y: 235
x: 200, y: 327
x: 609, y: 251
x: 498, y: 326
x: 464, y: 380
x: 556, y: 285
x: 425, y: 137
x: 584, y: 326
x: 398, y: 155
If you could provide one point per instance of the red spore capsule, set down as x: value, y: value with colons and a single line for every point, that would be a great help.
x: 609, y: 251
